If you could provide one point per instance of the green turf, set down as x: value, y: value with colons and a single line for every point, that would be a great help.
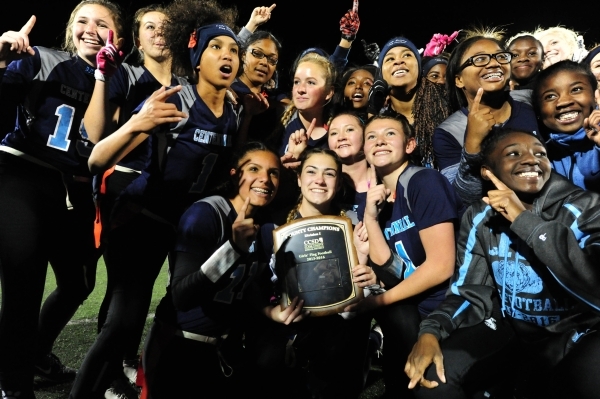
x: 76, y: 338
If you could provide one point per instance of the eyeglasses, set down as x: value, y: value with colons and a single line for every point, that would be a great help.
x: 260, y: 55
x: 481, y: 60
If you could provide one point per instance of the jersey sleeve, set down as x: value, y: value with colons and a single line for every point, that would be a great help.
x: 469, y: 298
x: 570, y: 251
x: 432, y: 199
x: 202, y: 257
x: 118, y: 86
x: 446, y: 150
x: 18, y: 77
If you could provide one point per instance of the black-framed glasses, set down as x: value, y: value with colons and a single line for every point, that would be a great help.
x: 481, y: 60
x: 260, y: 55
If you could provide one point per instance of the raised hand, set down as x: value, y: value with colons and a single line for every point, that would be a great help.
x: 503, y: 200
x: 479, y: 123
x: 371, y: 50
x: 108, y: 59
x: 350, y: 23
x: 15, y: 45
x: 297, y: 143
x: 244, y: 230
x: 377, y: 94
x: 377, y: 195
x: 156, y: 111
x: 591, y: 124
x: 259, y: 16
x: 425, y: 351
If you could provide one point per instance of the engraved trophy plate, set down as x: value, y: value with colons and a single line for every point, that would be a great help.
x: 314, y: 260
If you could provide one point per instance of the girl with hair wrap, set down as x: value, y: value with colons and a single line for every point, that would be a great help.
x: 406, y: 91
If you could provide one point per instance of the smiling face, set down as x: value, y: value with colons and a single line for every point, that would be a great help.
x: 519, y: 160
x: 566, y: 99
x: 492, y: 78
x: 310, y: 91
x: 219, y: 62
x: 437, y: 74
x: 556, y: 48
x: 319, y: 181
x: 259, y: 71
x: 527, y: 58
x: 258, y: 173
x: 386, y: 146
x: 400, y: 68
x: 90, y: 31
x: 345, y: 137
x: 150, y: 39
x: 357, y: 88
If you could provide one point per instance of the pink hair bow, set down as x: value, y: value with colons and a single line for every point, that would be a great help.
x: 438, y: 43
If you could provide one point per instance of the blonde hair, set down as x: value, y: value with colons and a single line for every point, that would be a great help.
x: 572, y: 38
x: 329, y: 73
x: 493, y: 32
x: 114, y: 10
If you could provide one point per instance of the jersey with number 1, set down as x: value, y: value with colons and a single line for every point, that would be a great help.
x: 52, y: 90
x: 187, y: 158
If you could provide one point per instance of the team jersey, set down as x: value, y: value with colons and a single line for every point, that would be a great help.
x: 52, y: 90
x: 187, y: 157
x: 217, y: 289
x: 428, y: 199
x: 130, y: 86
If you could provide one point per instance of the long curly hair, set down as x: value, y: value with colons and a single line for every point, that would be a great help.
x: 183, y: 17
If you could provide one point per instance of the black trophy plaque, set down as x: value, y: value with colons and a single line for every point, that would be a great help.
x: 314, y: 260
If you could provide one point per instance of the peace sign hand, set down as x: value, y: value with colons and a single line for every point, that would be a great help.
x: 479, y: 123
x: 15, y: 45
x: 503, y: 200
x: 244, y: 230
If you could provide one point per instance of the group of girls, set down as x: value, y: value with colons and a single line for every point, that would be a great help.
x: 163, y: 131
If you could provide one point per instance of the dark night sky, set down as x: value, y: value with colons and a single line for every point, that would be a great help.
x: 306, y: 23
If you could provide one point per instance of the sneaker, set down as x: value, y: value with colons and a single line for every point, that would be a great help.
x: 130, y: 369
x: 377, y: 329
x: 121, y: 389
x: 51, y: 368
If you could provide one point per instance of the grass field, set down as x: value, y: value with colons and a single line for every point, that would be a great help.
x: 80, y: 333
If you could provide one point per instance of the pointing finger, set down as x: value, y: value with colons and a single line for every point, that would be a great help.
x: 310, y: 128
x: 242, y: 214
x: 477, y: 100
x: 272, y: 7
x: 355, y: 6
x: 28, y: 26
x: 499, y: 185
x: 371, y: 177
x: 109, y: 39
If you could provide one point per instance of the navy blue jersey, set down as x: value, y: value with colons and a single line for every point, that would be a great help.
x: 130, y: 86
x: 52, y: 90
x: 187, y: 158
x: 428, y: 200
x: 212, y: 282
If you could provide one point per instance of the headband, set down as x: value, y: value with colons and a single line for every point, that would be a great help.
x: 200, y: 37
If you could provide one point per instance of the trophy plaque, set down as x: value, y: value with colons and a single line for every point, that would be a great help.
x: 314, y: 257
